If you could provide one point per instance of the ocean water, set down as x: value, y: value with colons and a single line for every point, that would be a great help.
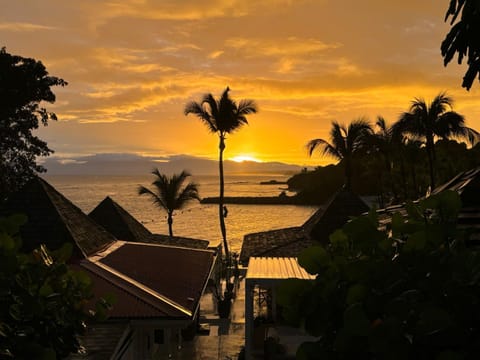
x: 196, y: 220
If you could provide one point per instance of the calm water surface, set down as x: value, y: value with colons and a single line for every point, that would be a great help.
x: 196, y: 220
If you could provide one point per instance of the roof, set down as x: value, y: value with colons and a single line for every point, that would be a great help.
x: 178, y: 241
x: 54, y: 220
x: 172, y: 275
x: 292, y: 241
x: 467, y: 185
x: 118, y: 221
x: 341, y: 207
x: 100, y: 340
x: 131, y: 301
x: 276, y: 268
x: 124, y: 226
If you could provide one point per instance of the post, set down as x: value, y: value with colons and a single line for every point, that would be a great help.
x: 248, y: 317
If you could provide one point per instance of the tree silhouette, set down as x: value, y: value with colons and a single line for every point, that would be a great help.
x: 434, y: 120
x: 222, y: 116
x: 463, y: 37
x: 344, y: 143
x: 169, y: 193
x: 24, y: 85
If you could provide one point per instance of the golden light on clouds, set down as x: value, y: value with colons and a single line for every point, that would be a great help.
x: 133, y: 65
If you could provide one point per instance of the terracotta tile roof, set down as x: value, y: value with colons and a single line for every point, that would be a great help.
x: 131, y: 301
x: 53, y: 220
x: 118, y: 221
x: 177, y: 274
x: 292, y: 241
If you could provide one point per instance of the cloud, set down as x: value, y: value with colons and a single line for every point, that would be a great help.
x: 24, y: 27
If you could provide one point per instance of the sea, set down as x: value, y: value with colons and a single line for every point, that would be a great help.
x: 196, y: 220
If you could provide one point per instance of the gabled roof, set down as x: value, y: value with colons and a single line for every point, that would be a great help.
x: 173, y: 276
x: 341, y: 207
x: 54, y: 220
x: 130, y: 300
x: 118, y: 221
x: 124, y: 226
x: 291, y: 241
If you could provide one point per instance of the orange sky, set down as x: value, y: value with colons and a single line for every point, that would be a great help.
x: 132, y: 65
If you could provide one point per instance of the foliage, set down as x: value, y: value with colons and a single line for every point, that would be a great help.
x: 24, y: 85
x: 344, y: 143
x: 407, y: 291
x: 170, y: 195
x: 463, y: 37
x: 223, y: 116
x: 435, y: 120
x: 42, y: 301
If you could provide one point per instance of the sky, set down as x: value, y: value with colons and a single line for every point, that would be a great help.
x: 132, y: 65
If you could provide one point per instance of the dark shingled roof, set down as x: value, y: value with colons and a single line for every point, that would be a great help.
x: 124, y: 226
x: 178, y: 241
x: 118, y: 221
x: 291, y: 241
x: 176, y: 273
x: 54, y: 220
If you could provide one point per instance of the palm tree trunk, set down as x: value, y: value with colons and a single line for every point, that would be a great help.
x: 348, y: 173
x: 220, y: 200
x: 430, y: 147
x: 170, y: 223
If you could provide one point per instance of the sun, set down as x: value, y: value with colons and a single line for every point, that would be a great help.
x: 242, y: 158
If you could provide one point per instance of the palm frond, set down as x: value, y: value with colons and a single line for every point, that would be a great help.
x: 198, y: 110
x: 324, y: 147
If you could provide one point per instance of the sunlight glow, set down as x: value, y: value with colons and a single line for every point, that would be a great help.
x: 242, y: 158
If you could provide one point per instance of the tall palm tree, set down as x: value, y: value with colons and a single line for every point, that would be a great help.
x: 170, y: 194
x: 434, y: 120
x: 344, y: 143
x: 222, y: 116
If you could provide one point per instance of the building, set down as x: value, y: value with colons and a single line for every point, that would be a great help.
x: 157, y: 287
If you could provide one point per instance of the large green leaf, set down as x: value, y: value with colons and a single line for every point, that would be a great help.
x: 355, y: 320
x: 314, y: 259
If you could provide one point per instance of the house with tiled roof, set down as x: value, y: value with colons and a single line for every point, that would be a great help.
x: 157, y: 288
x: 123, y: 225
x: 290, y: 242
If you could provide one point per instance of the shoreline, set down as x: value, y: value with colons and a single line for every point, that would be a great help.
x: 255, y: 200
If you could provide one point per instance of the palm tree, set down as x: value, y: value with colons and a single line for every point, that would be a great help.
x: 169, y: 193
x: 222, y: 116
x: 435, y: 120
x: 344, y: 143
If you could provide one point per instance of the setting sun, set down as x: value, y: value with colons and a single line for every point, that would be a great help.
x: 242, y: 158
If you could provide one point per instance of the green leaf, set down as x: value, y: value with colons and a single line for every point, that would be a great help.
x: 416, y: 241
x: 355, y: 321
x: 64, y: 253
x: 339, y: 239
x: 449, y: 355
x: 356, y: 293
x: 314, y: 259
x: 432, y: 320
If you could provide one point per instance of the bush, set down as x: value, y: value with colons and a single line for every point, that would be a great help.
x: 409, y: 290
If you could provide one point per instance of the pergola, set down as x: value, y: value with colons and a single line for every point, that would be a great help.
x: 267, y: 273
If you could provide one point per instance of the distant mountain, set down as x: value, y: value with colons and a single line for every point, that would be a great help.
x: 132, y: 164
